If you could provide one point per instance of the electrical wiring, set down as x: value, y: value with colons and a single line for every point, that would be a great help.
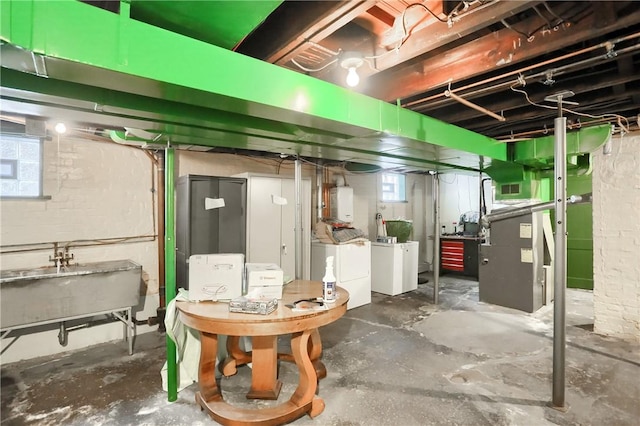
x: 303, y: 68
x: 406, y: 32
x: 619, y: 118
x: 526, y: 95
x: 603, y: 116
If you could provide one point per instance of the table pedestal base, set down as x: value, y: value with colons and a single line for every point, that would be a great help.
x: 264, y: 382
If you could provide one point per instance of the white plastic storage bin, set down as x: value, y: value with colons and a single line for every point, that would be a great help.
x: 215, y: 276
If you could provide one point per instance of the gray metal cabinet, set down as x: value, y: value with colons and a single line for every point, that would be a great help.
x: 511, y: 267
x: 271, y: 221
x: 206, y: 227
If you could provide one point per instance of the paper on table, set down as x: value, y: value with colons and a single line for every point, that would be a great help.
x: 308, y: 306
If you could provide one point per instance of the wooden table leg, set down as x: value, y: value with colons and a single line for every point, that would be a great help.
x: 304, y: 394
x: 206, y: 371
x: 315, y: 351
x: 264, y: 377
x: 236, y: 357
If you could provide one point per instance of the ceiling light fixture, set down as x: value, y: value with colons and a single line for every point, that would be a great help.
x: 351, y: 61
x: 60, y: 128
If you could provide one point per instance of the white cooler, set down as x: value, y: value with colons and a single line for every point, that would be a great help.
x: 264, y: 280
x: 215, y: 276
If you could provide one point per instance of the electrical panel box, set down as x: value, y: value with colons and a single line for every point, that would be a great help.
x: 341, y: 201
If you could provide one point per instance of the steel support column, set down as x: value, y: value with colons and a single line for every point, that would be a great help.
x: 560, y: 259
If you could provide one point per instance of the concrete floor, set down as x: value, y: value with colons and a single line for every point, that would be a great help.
x: 399, y: 361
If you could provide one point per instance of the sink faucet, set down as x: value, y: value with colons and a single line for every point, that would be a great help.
x: 67, y: 257
x: 60, y: 258
x: 57, y: 255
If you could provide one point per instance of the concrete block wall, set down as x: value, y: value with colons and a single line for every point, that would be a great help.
x: 616, y: 239
x: 98, y: 191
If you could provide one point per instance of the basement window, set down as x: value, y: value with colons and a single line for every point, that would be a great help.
x: 513, y: 188
x: 20, y: 166
x: 393, y: 188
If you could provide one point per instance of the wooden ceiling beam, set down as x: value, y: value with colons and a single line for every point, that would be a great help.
x: 319, y: 29
x: 438, y: 34
x: 294, y: 23
x: 489, y: 53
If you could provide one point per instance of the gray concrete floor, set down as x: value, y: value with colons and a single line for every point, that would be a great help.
x: 399, y: 361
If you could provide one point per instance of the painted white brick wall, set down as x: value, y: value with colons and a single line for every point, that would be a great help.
x: 616, y: 239
x: 98, y: 190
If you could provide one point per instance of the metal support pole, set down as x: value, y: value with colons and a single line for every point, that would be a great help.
x: 560, y: 258
x: 170, y: 267
x: 298, y: 228
x: 436, y: 238
x: 480, y: 189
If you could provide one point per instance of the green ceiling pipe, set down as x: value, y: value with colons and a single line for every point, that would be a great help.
x: 170, y: 266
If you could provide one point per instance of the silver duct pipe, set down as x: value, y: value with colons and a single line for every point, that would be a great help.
x: 548, y: 205
x: 298, y: 213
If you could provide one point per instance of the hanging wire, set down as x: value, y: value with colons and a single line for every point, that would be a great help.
x: 526, y: 95
x: 303, y: 68
x: 618, y: 117
x: 463, y: 5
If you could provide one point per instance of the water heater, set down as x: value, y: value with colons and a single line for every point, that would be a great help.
x: 341, y: 202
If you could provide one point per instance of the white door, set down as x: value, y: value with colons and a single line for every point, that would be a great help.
x: 264, y: 220
x: 410, y: 266
x: 288, y: 229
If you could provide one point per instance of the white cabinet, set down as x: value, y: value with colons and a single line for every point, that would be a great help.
x: 352, y: 268
x: 394, y: 267
x: 271, y: 210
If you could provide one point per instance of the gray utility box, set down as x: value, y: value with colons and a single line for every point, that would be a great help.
x: 211, y: 218
x: 511, y: 267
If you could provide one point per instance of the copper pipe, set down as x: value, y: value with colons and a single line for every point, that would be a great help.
x: 606, y: 45
x: 450, y: 94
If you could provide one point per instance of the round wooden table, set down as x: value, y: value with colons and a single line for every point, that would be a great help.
x: 213, y: 318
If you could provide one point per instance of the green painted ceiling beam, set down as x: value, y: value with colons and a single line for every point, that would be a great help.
x: 87, y: 46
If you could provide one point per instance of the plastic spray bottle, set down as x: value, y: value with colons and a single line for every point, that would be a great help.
x: 329, y: 282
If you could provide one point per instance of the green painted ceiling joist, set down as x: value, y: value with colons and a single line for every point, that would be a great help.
x: 85, y: 45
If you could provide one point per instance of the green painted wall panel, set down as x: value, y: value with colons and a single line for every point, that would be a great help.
x: 579, y: 235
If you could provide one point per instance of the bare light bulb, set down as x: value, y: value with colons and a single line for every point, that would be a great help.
x: 60, y: 128
x: 352, y: 77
